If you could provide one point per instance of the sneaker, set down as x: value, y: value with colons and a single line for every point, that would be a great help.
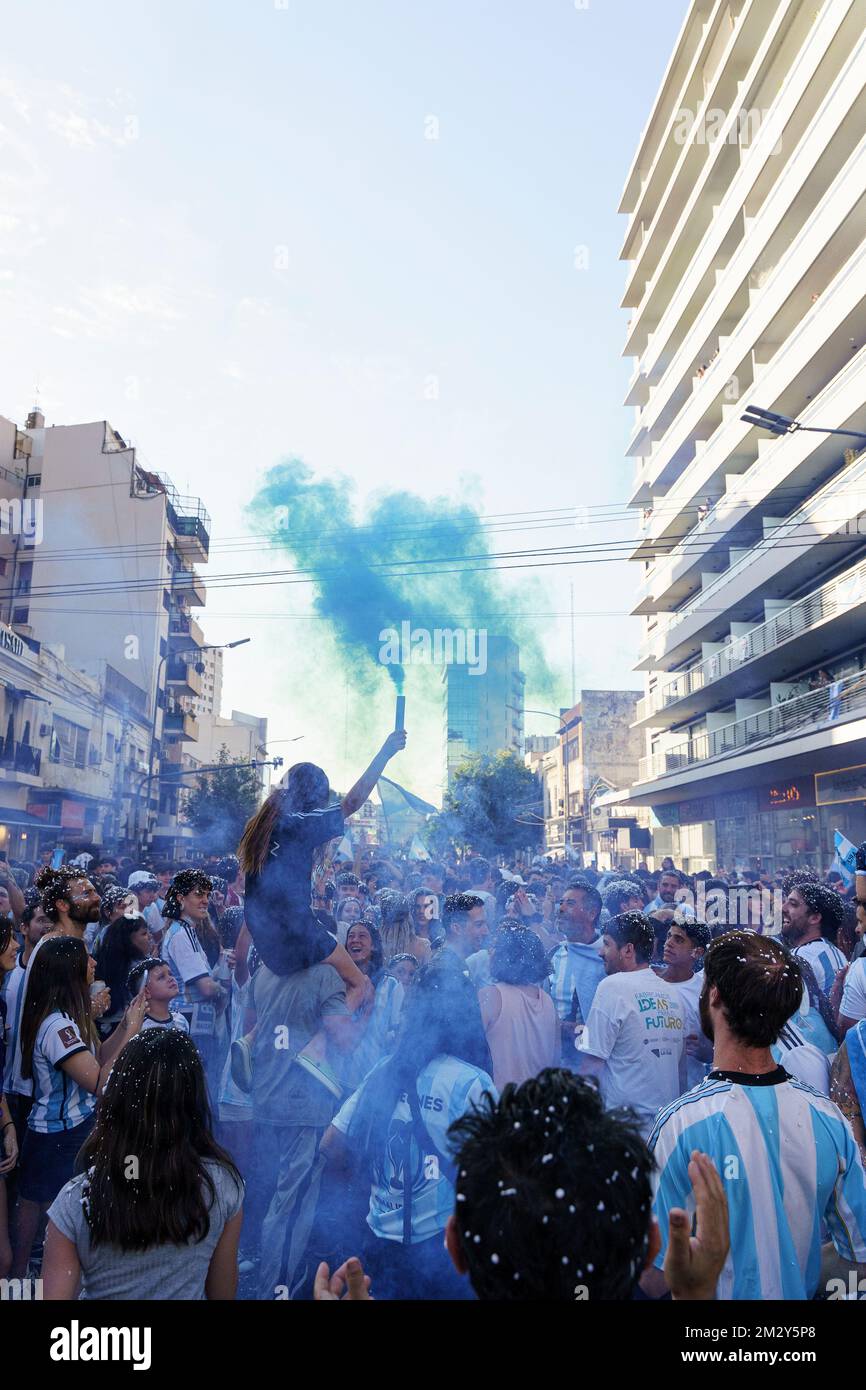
x: 242, y: 1065
x: 322, y: 1073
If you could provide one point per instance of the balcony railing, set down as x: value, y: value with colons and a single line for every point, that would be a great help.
x: 837, y: 596
x: 826, y: 705
x: 845, y: 486
x: 21, y: 757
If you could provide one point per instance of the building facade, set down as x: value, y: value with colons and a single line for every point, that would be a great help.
x: 99, y: 565
x: 597, y: 752
x: 746, y: 251
x: 483, y: 713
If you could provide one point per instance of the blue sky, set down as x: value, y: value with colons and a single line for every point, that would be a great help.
x: 223, y: 228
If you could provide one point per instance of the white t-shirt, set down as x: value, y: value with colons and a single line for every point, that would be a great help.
x: 802, y: 1059
x: 690, y: 993
x: 58, y: 1102
x: 854, y: 994
x: 637, y: 1026
x: 174, y: 1020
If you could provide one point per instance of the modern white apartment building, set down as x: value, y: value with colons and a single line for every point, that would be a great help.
x: 106, y: 582
x: 746, y: 251
x: 210, y: 699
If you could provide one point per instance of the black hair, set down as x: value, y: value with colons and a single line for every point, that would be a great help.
x: 517, y: 957
x: 633, y: 928
x: 154, y: 1106
x: 826, y: 903
x: 553, y: 1192
x: 376, y: 940
x: 699, y: 933
x: 582, y: 885
x: 115, y: 956
x: 479, y: 870
x: 760, y: 985
x: 457, y: 907
x: 618, y: 892
x: 54, y: 884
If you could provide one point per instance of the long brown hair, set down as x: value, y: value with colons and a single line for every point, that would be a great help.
x: 306, y: 789
x: 57, y: 983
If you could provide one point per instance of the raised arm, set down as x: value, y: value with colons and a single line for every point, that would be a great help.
x: 354, y: 799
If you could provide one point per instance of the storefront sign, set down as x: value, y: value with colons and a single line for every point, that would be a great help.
x: 787, y: 795
x: 848, y: 784
x: 72, y: 815
x: 10, y: 641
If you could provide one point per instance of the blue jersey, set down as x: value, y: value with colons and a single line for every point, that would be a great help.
x: 825, y: 959
x: 58, y: 1102
x: 788, y: 1161
x: 447, y: 1089
x: 576, y: 971
x: 12, y: 991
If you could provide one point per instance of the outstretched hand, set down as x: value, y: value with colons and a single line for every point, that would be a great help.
x: 693, y: 1263
x: 349, y: 1281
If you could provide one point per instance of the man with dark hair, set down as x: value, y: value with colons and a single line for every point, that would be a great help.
x: 811, y: 916
x: 785, y: 1153
x: 621, y: 895
x: 465, y: 924
x: 348, y: 886
x: 576, y: 964
x: 634, y: 1040
x: 553, y: 1199
x: 671, y: 881
x: 683, y: 957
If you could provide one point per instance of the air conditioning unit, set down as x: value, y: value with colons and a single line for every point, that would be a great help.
x: 44, y: 730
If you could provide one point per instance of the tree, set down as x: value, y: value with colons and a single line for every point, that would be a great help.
x: 221, y: 803
x: 488, y: 808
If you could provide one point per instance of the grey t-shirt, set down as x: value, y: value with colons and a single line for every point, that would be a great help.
x: 289, y: 1011
x: 164, y: 1271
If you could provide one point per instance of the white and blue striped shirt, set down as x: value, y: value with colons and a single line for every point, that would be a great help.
x: 59, y: 1103
x: 577, y: 969
x: 447, y: 1088
x: 825, y: 959
x: 789, y: 1162
x: 12, y: 990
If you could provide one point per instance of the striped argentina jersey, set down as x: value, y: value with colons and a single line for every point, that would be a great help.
x: 576, y: 970
x: 788, y: 1161
x: 59, y: 1103
x: 447, y: 1088
x: 12, y: 990
x: 825, y: 959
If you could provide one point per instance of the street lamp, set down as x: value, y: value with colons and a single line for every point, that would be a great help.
x: 564, y: 726
x: 783, y: 424
x: 207, y: 647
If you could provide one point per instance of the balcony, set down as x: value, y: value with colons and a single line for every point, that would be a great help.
x: 180, y: 723
x: 189, y: 521
x: 184, y: 631
x: 835, y: 600
x: 189, y: 587
x: 183, y: 678
x: 20, y: 758
x: 829, y: 705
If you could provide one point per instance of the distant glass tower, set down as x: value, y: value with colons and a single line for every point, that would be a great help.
x: 483, y: 713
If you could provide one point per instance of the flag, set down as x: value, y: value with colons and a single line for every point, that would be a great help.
x: 404, y: 812
x: 417, y: 850
x: 344, y: 849
x: 843, y: 859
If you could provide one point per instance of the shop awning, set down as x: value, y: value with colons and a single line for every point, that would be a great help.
x: 10, y: 815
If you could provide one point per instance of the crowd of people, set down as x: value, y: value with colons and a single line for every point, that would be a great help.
x: 439, y: 1080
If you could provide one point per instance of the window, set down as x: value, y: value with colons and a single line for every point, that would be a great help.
x: 34, y: 480
x: 21, y: 616
x: 109, y: 748
x: 68, y: 743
